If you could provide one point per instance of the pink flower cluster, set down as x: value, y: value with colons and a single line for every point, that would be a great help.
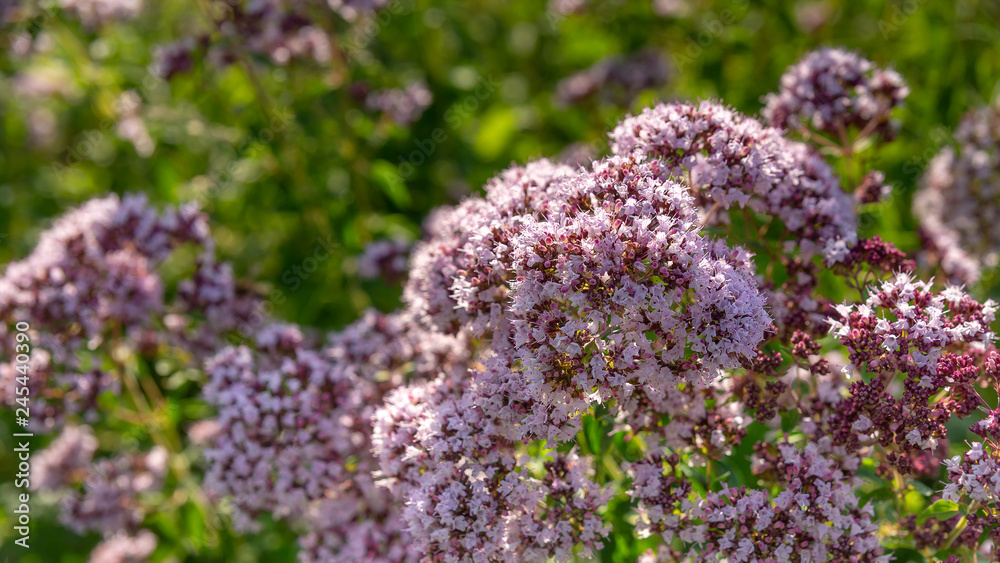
x: 402, y: 106
x: 282, y: 31
x: 468, y: 491
x: 279, y: 449
x: 600, y: 286
x: 351, y: 10
x: 831, y: 90
x: 935, y: 340
x: 957, y: 202
x: 93, y: 278
x: 618, y: 78
x: 123, y: 548
x: 97, y: 13
x: 66, y: 459
x: 94, y: 265
x: 110, y: 502
x: 294, y: 434
x: 698, y: 416
x: 975, y: 477
x: 730, y: 159
x: 815, y: 517
x: 387, y: 259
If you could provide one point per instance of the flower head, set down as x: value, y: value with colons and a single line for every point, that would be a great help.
x: 832, y: 89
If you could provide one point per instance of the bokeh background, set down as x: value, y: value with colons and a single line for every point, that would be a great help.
x: 291, y: 156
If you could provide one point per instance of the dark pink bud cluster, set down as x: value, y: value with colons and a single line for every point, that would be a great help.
x: 933, y: 533
x: 874, y: 254
x: 930, y: 340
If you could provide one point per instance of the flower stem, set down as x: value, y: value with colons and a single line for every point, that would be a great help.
x: 708, y: 474
x: 963, y: 522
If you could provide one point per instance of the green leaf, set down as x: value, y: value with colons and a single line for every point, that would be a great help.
x: 921, y: 488
x: 897, y: 543
x: 385, y: 175
x: 495, y: 131
x: 915, y: 502
x: 942, y: 510
x: 907, y: 554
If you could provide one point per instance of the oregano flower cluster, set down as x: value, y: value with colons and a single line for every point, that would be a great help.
x: 831, y: 91
x: 730, y: 160
x: 957, y: 201
x: 583, y: 358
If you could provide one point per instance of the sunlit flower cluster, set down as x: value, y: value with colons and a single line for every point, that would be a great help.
x: 683, y: 346
x: 815, y: 518
x: 732, y: 160
x: 935, y: 340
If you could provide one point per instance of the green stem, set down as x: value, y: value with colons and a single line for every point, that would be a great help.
x: 960, y: 527
x: 708, y: 473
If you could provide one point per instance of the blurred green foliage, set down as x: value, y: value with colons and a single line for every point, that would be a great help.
x: 285, y: 157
